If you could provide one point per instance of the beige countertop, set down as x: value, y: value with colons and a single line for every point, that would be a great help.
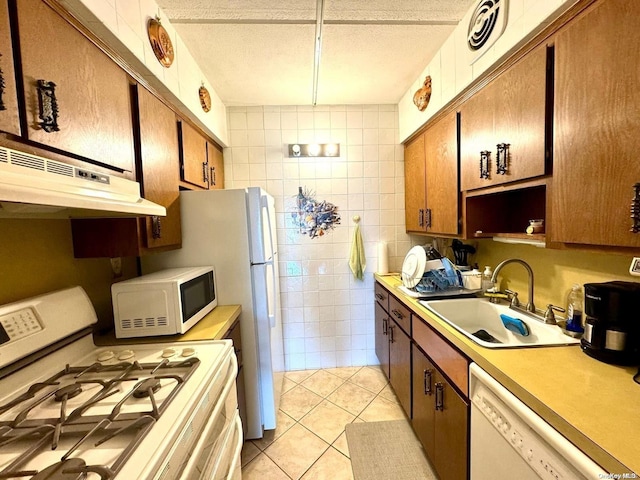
x: 595, y: 405
x: 213, y: 326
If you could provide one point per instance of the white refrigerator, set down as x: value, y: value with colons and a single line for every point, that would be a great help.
x: 235, y: 231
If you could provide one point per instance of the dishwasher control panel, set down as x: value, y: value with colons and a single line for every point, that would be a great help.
x: 537, y: 443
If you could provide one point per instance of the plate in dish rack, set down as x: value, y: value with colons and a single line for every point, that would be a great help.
x: 413, y: 266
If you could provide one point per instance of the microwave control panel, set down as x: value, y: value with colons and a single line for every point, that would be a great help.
x: 18, y: 324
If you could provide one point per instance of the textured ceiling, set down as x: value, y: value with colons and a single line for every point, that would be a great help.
x: 261, y: 52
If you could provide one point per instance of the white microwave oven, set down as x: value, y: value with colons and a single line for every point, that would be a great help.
x: 167, y: 302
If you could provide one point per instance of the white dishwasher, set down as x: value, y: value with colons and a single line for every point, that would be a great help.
x: 509, y: 440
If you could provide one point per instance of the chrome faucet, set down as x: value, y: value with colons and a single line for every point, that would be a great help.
x: 530, y: 306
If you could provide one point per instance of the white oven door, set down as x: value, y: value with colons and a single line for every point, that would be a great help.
x: 206, y: 459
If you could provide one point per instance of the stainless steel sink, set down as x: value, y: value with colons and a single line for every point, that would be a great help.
x: 479, y: 320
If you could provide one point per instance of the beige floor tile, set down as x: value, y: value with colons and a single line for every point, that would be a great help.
x: 299, y: 401
x: 351, y: 397
x: 341, y: 444
x: 370, y: 378
x: 331, y: 465
x: 296, y: 450
x: 322, y: 383
x: 343, y: 372
x: 263, y: 467
x: 388, y: 393
x: 380, y: 410
x: 299, y: 376
x: 287, y: 385
x: 327, y: 421
x: 249, y: 452
x: 283, y: 423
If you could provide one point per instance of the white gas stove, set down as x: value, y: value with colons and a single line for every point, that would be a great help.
x: 154, y: 411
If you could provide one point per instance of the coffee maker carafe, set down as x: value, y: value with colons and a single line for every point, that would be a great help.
x: 612, y: 325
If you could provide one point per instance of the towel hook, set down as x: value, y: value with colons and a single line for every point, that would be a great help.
x: 356, y: 219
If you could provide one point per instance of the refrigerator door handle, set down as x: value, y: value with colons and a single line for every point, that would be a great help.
x: 264, y: 201
x: 272, y: 296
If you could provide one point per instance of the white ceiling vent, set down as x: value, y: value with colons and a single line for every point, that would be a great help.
x: 488, y: 21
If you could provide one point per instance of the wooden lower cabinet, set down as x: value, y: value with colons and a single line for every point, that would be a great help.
x: 400, y: 365
x: 440, y: 419
x: 382, y: 338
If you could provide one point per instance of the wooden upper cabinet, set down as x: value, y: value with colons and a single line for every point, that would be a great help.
x: 193, y: 156
x: 441, y: 153
x: 92, y: 92
x: 216, y: 167
x: 509, y: 112
x: 9, y: 114
x: 414, y: 185
x: 596, y: 139
x: 159, y: 165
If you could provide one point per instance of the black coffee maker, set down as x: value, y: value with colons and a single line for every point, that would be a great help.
x: 612, y: 325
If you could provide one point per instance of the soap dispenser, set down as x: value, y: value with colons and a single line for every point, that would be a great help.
x: 487, y: 284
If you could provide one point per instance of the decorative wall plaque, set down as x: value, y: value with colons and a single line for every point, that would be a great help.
x: 160, y: 42
x: 313, y: 217
x: 205, y: 98
x: 423, y: 95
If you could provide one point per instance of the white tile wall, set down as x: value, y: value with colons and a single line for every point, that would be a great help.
x: 327, y: 314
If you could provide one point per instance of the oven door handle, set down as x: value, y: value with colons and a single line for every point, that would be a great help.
x: 190, y: 469
x: 238, y: 449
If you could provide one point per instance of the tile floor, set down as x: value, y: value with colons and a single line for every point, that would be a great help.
x: 310, y: 442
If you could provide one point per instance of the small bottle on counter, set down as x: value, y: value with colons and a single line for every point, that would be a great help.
x: 575, y: 300
x: 487, y: 284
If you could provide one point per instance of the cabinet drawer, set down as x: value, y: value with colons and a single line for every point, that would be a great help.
x: 447, y: 358
x: 400, y: 314
x: 382, y: 296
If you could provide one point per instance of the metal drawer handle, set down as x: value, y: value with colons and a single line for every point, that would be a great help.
x: 635, y: 209
x: 379, y: 297
x: 427, y: 381
x: 439, y: 396
x: 213, y: 175
x: 428, y: 220
x: 205, y: 176
x: 391, y: 328
x: 47, y: 106
x: 2, y: 85
x: 421, y: 217
x: 385, y: 326
x: 397, y: 314
x: 485, y: 156
x: 156, y: 227
x: 502, y: 158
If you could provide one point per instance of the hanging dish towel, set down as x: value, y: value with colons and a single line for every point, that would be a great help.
x: 357, y: 260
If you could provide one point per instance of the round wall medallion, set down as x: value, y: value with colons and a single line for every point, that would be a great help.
x: 205, y: 98
x: 160, y: 42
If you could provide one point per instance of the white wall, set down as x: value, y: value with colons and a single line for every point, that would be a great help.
x: 122, y: 24
x: 451, y: 69
x: 327, y: 314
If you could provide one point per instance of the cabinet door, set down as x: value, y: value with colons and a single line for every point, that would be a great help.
x: 451, y: 432
x: 414, y: 185
x: 92, y: 92
x: 476, y: 136
x: 596, y: 141
x: 9, y: 116
x: 441, y: 153
x: 382, y: 338
x: 159, y: 165
x: 520, y: 118
x: 216, y: 167
x: 193, y: 160
x: 400, y: 365
x: 423, y: 418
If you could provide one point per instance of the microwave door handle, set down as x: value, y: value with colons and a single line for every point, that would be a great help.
x: 271, y: 301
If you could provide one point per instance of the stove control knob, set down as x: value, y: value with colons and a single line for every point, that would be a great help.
x: 106, y: 355
x: 187, y: 352
x: 168, y: 352
x: 126, y: 355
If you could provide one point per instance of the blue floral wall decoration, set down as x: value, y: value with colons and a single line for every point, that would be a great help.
x: 314, y: 218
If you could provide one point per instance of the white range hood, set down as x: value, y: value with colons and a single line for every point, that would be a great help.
x: 36, y: 187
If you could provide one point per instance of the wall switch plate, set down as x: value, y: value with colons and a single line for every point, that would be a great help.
x: 634, y: 269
